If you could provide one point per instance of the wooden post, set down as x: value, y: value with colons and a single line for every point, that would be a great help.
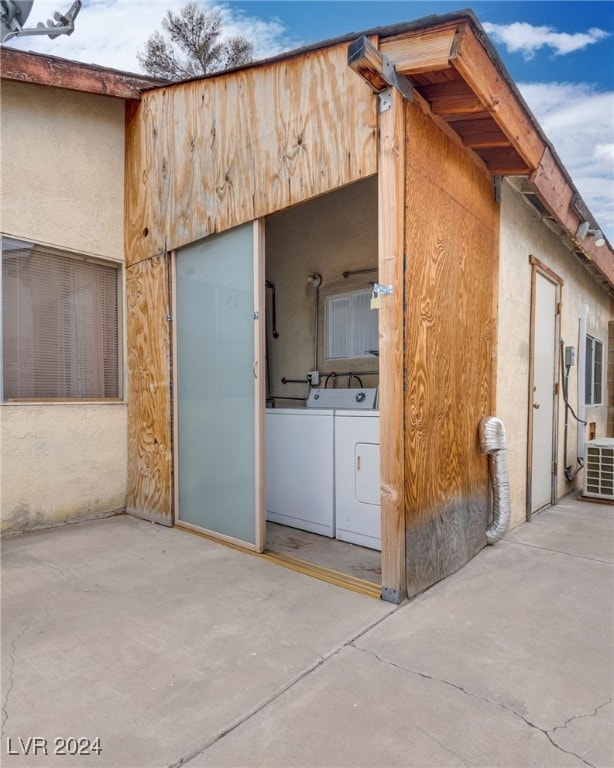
x: 391, y: 238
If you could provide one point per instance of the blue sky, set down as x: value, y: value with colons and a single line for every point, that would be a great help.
x: 560, y: 54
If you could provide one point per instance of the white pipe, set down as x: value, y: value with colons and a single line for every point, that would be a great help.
x: 582, y: 325
x: 492, y: 442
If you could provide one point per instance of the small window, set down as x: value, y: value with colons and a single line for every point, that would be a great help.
x: 60, y: 320
x: 351, y: 326
x: 593, y: 387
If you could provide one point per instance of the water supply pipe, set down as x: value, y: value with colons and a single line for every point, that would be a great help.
x: 492, y: 442
x: 315, y: 281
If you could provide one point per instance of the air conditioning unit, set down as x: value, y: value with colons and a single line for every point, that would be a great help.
x: 599, y: 468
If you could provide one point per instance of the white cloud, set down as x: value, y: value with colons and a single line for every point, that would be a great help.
x: 524, y: 38
x: 110, y: 32
x: 577, y: 119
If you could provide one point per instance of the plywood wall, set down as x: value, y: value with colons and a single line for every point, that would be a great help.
x: 450, y: 316
x: 149, y: 390
x: 208, y: 155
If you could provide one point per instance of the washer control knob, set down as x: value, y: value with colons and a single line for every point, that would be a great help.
x: 360, y: 397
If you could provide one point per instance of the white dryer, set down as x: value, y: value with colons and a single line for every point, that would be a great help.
x: 357, y: 478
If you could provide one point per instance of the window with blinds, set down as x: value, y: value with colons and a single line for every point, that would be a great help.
x: 351, y: 325
x: 60, y: 321
x: 593, y: 372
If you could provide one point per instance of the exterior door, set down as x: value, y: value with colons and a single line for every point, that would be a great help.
x: 219, y: 386
x: 543, y: 394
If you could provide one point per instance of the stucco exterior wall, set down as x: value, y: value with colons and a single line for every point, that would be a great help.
x: 524, y: 234
x: 62, y: 185
x: 63, y: 168
x: 61, y: 463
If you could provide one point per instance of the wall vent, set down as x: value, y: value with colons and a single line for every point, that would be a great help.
x: 599, y: 468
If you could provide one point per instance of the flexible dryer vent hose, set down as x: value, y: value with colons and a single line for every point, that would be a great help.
x: 492, y: 442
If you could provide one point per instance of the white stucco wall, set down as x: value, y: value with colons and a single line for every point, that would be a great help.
x: 63, y: 168
x: 61, y: 463
x: 62, y: 164
x: 522, y: 234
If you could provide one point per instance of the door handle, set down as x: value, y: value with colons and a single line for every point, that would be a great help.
x: 254, y: 369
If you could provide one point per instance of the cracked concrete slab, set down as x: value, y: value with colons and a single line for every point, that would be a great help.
x: 176, y: 650
x: 529, y: 628
x: 565, y: 529
x: 356, y: 710
x: 590, y: 735
x: 153, y: 639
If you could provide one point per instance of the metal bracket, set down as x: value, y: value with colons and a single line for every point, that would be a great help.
x: 384, y: 100
x: 382, y: 290
x: 376, y: 69
x: 391, y: 595
x: 400, y: 82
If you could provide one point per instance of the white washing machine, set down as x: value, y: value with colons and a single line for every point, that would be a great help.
x: 322, y: 465
x: 300, y: 469
x: 357, y: 478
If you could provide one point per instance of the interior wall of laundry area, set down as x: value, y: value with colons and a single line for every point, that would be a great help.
x: 327, y: 236
x: 523, y: 233
x: 62, y: 186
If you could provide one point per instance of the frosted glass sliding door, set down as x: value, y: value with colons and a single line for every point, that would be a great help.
x: 218, y: 392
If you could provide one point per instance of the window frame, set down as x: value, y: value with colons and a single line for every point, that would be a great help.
x: 85, y: 258
x: 590, y: 379
x: 327, y: 324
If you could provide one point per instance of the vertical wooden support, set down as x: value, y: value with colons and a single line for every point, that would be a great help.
x: 391, y: 235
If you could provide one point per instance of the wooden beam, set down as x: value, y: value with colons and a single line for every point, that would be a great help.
x: 377, y: 70
x: 503, y: 160
x: 480, y: 133
x: 367, y: 61
x: 72, y: 75
x: 391, y: 234
x: 477, y: 69
x: 452, y: 98
x: 425, y: 50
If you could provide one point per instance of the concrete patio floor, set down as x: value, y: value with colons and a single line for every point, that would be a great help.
x: 175, y: 650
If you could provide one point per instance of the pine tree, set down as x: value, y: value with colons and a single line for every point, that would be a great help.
x: 193, y: 44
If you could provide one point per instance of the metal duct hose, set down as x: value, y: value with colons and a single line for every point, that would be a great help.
x: 492, y: 442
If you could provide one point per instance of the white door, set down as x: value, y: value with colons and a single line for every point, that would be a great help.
x: 543, y: 396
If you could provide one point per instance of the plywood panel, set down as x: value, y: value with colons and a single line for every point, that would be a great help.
x: 149, y: 400
x: 451, y: 282
x: 208, y: 155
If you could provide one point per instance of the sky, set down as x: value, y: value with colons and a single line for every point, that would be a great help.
x: 560, y: 55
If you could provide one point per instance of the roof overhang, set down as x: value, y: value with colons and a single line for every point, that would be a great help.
x: 27, y: 67
x: 453, y: 67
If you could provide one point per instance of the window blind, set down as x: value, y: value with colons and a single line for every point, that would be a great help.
x: 351, y: 325
x: 60, y: 324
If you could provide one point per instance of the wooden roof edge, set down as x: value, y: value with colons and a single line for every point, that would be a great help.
x: 552, y: 185
x: 550, y: 180
x: 41, y: 69
x: 392, y: 30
